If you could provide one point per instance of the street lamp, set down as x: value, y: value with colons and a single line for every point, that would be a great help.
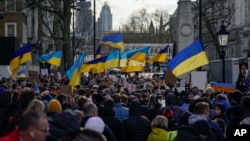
x: 223, y: 38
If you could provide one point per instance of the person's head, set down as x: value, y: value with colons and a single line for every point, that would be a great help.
x: 35, y: 105
x: 219, y: 109
x: 201, y: 108
x: 160, y: 122
x: 33, y: 126
x: 116, y: 98
x: 79, y: 115
x: 246, y: 102
x: 90, y: 109
x: 202, y: 127
x: 25, y: 97
x: 54, y: 106
x: 64, y: 125
x: 96, y: 124
x: 90, y: 135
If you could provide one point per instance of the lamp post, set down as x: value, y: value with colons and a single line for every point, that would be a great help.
x: 222, y: 38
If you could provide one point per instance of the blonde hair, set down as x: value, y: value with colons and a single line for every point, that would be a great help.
x: 35, y: 105
x: 160, y: 122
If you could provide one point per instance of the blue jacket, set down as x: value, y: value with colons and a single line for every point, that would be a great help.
x: 121, y: 112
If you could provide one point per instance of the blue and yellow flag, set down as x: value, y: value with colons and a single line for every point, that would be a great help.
x: 74, y: 73
x: 21, y: 73
x: 123, y: 58
x: 160, y: 57
x: 138, y: 55
x: 188, y: 59
x: 114, y: 40
x: 224, y: 87
x: 130, y: 69
x: 98, y: 52
x: 53, y: 58
x: 96, y: 65
x: 22, y: 55
x: 112, y: 60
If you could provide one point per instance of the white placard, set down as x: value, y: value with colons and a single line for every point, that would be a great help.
x: 199, y: 79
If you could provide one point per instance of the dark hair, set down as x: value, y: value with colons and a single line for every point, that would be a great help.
x: 25, y: 98
x: 246, y: 102
x: 30, y: 119
x: 90, y: 135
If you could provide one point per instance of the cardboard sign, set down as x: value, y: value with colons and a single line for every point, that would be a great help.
x: 170, y: 78
x: 66, y: 89
x: 107, y: 83
x: 33, y: 76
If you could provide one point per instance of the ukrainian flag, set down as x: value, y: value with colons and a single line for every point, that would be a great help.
x: 160, y: 57
x: 123, y: 58
x: 130, y: 69
x: 21, y: 73
x: 188, y: 59
x: 112, y: 60
x: 53, y: 58
x: 98, y: 52
x: 138, y: 54
x: 96, y: 65
x: 224, y: 87
x: 114, y: 40
x: 74, y: 73
x: 22, y: 55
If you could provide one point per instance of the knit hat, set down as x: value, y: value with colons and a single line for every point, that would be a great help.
x: 54, y: 106
x: 64, y: 123
x: 96, y: 124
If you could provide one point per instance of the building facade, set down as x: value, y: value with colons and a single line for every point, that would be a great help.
x: 105, y: 20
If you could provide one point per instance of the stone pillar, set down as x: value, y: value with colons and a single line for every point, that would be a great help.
x: 185, y: 26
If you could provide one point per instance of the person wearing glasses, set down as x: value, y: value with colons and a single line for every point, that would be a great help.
x: 32, y: 126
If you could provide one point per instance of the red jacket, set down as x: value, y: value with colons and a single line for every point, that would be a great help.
x: 12, y: 136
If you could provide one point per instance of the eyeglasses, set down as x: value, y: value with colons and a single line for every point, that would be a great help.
x: 43, y: 130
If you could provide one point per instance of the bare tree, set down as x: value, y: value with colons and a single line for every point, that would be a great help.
x: 213, y: 13
x: 60, y: 33
x: 141, y: 22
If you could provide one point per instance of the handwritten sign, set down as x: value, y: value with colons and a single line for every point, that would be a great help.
x: 66, y: 89
x: 33, y: 76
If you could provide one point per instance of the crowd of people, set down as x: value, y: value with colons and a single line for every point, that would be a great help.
x: 41, y: 111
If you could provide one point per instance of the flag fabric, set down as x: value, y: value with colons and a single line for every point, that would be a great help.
x: 160, y: 57
x: 114, y: 40
x: 188, y: 59
x: 225, y: 87
x: 112, y: 60
x: 138, y: 54
x: 130, y: 69
x: 123, y: 58
x: 21, y: 73
x: 22, y: 55
x: 98, y: 52
x: 96, y: 65
x: 74, y: 72
x: 53, y: 58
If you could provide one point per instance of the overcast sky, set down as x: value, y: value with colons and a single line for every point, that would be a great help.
x: 122, y: 9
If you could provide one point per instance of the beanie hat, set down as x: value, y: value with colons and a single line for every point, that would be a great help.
x: 64, y: 123
x: 54, y: 106
x: 96, y: 124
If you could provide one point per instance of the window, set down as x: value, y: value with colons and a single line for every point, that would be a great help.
x: 10, y: 29
x: 10, y: 5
